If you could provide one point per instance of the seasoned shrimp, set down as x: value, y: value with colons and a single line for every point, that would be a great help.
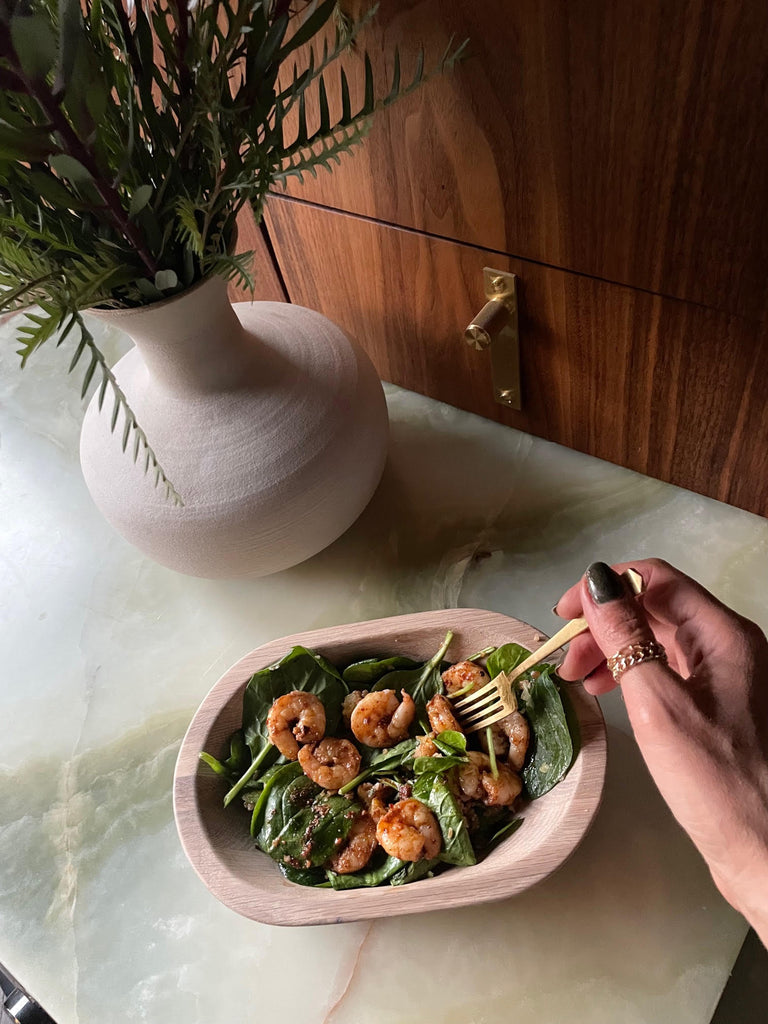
x: 375, y: 797
x: 515, y: 728
x: 500, y: 744
x: 476, y: 781
x: 440, y: 714
x: 426, y: 746
x: 356, y: 849
x: 295, y: 718
x: 350, y: 703
x: 409, y: 830
x: 331, y: 763
x: 464, y: 674
x: 381, y: 720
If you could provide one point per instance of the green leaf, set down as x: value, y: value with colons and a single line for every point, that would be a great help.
x: 31, y: 144
x: 435, y: 764
x: 165, y: 280
x: 70, y: 40
x: 421, y: 683
x: 139, y: 200
x: 414, y: 870
x: 66, y: 166
x: 300, y: 669
x: 434, y: 791
x: 313, y: 834
x: 55, y: 192
x: 35, y: 44
x: 451, y: 743
x: 505, y: 659
x: 550, y: 753
x: 369, y: 670
x: 376, y: 762
x: 309, y: 29
x: 381, y: 868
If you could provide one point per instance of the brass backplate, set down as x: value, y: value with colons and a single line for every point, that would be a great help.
x: 505, y: 345
x: 495, y: 328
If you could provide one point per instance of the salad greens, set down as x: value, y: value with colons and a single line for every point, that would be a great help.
x: 303, y: 826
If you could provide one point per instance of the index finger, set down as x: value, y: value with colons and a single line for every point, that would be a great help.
x: 669, y: 597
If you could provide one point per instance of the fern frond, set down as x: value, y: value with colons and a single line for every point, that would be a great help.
x: 37, y: 328
x: 187, y: 229
x: 347, y: 31
x: 309, y: 158
x: 130, y: 426
x: 235, y: 267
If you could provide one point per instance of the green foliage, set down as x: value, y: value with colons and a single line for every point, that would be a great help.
x: 423, y: 682
x: 550, y: 754
x: 129, y: 143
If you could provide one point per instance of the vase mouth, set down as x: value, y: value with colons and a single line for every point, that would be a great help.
x: 131, y: 311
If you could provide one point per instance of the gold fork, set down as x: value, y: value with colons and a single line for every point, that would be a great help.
x: 496, y: 699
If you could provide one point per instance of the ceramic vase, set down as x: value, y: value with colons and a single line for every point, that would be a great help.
x: 268, y: 420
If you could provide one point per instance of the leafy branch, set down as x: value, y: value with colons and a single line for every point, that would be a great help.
x: 132, y: 135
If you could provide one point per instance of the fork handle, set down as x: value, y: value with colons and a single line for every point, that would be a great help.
x: 570, y: 630
x: 562, y: 636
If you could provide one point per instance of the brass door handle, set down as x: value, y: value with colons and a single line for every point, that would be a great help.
x: 495, y: 328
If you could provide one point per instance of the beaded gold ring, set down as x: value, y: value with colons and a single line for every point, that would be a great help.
x: 635, y: 654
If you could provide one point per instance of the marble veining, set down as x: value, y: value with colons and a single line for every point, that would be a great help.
x: 105, y: 657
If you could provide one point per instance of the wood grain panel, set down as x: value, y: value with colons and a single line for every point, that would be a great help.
x: 251, y: 238
x: 626, y: 139
x: 664, y: 387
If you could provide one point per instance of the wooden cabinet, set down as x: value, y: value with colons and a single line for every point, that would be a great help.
x: 614, y: 154
x: 665, y: 387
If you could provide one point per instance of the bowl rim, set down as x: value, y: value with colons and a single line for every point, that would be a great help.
x: 299, y: 905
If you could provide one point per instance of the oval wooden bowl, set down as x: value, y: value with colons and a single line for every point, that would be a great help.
x: 216, y: 839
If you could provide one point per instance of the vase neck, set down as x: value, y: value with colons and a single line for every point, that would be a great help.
x: 192, y: 342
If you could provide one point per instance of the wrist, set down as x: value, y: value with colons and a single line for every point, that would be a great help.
x: 745, y: 887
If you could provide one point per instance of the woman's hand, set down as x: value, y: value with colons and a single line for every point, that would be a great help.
x: 701, y: 721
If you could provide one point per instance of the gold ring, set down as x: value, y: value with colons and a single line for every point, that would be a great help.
x: 634, y: 654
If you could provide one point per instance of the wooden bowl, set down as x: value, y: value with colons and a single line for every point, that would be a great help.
x: 216, y: 839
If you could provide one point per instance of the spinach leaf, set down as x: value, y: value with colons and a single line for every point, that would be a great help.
x: 505, y: 658
x: 551, y: 749
x: 379, y: 869
x: 434, y: 791
x: 310, y: 836
x: 412, y: 871
x: 378, y: 761
x: 267, y: 819
x: 369, y: 670
x: 303, y: 876
x: 492, y: 824
x: 435, y: 764
x: 239, y: 758
x: 422, y: 683
x: 300, y: 669
x: 450, y: 743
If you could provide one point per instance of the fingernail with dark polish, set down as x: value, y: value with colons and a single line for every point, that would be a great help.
x: 603, y: 583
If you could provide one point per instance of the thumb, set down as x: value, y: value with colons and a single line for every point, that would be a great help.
x: 617, y: 621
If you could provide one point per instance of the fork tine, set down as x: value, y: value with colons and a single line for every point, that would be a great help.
x: 497, y: 717
x: 484, y: 713
x: 470, y: 699
x: 485, y: 701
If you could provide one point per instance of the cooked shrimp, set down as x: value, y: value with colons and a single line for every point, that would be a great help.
x: 500, y: 744
x: 331, y: 763
x: 356, y: 849
x: 440, y: 714
x: 295, y: 718
x: 515, y: 728
x: 426, y: 746
x: 350, y: 703
x: 381, y: 720
x: 464, y: 674
x: 409, y: 830
x: 375, y: 797
x: 476, y: 781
